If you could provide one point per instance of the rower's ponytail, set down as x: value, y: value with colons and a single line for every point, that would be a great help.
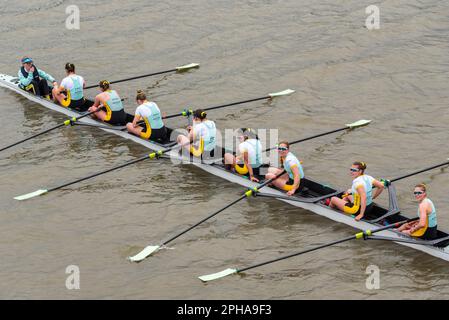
x: 141, y: 95
x: 104, y: 84
x: 70, y: 67
x: 200, y: 114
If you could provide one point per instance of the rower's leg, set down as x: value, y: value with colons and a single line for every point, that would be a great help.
x: 229, y: 161
x: 281, y: 181
x: 100, y: 115
x: 183, y: 141
x: 58, y: 97
x: 135, y: 131
x: 338, y: 203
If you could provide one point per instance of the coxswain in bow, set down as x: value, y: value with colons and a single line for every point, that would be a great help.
x: 70, y: 93
x: 249, y: 158
x: 359, y: 199
x: 109, y: 100
x: 34, y: 80
x: 426, y: 227
x: 200, y: 141
x: 153, y: 127
x: 291, y: 180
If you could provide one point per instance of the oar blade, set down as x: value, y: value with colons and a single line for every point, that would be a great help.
x: 144, y: 253
x: 218, y: 275
x: 31, y: 195
x: 359, y: 123
x: 188, y: 66
x: 281, y: 93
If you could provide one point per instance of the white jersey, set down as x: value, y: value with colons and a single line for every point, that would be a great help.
x: 206, y: 130
x: 366, y: 182
x: 150, y: 111
x: 254, y: 149
x: 67, y: 82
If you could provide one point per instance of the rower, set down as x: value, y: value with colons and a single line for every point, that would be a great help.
x: 115, y: 112
x: 249, y: 160
x: 201, y: 136
x: 358, y: 199
x: 290, y: 181
x: 70, y: 93
x: 153, y: 127
x: 426, y: 227
x: 34, y: 80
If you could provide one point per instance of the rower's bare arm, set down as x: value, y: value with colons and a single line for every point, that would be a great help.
x: 97, y: 102
x: 135, y: 120
x: 296, y: 181
x: 379, y: 188
x: 424, y: 208
x: 361, y: 191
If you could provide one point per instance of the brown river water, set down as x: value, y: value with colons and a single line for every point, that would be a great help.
x: 396, y: 76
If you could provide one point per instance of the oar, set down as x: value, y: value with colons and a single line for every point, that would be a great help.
x: 65, y: 123
x: 177, y: 69
x: 148, y: 250
x: 44, y: 191
x: 353, y: 125
x: 419, y: 171
x: 360, y: 235
x: 269, y: 96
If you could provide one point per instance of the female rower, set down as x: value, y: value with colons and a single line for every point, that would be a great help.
x: 426, y: 227
x: 115, y: 112
x: 202, y: 134
x: 358, y: 199
x: 249, y: 159
x: 291, y: 180
x: 70, y: 93
x: 153, y: 127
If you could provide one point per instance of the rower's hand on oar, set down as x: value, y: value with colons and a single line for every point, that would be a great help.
x: 254, y: 179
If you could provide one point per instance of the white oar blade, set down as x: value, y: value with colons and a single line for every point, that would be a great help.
x: 281, y: 93
x: 218, y: 275
x: 31, y: 195
x: 359, y: 123
x: 188, y: 66
x: 144, y: 253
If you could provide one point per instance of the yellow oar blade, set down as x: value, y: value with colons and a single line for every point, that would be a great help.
x: 31, y: 195
x: 144, y: 253
x: 188, y: 66
x: 218, y: 275
x: 359, y: 123
x: 281, y: 93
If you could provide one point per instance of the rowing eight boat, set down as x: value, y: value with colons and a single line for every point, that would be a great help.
x: 310, y: 198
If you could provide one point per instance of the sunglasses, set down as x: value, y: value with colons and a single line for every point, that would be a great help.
x: 418, y: 193
x: 282, y: 148
x: 354, y: 170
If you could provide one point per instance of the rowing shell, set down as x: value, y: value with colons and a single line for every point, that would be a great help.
x: 308, y: 199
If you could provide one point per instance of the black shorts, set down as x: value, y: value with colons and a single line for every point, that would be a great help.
x: 78, y: 105
x: 157, y: 134
x: 367, y: 209
x: 291, y: 182
x: 430, y: 234
x: 118, y: 118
